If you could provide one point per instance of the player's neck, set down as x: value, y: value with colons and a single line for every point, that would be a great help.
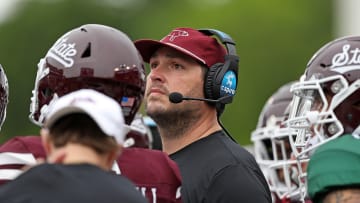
x: 80, y: 154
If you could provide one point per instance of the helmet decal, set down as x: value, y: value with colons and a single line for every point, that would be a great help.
x: 63, y: 52
x: 347, y: 60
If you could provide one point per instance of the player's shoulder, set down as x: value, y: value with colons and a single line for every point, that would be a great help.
x: 22, y: 144
x: 146, y: 155
x: 153, y: 154
x: 148, y: 161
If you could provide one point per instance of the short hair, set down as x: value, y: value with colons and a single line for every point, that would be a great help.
x: 81, y: 129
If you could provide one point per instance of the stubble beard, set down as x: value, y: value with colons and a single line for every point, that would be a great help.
x: 175, y: 121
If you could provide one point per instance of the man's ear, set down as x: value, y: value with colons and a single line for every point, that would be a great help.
x: 45, y: 139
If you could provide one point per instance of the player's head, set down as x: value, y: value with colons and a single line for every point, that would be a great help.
x: 4, y: 95
x: 326, y: 102
x: 140, y: 134
x: 88, y: 118
x: 327, y: 98
x: 271, y: 145
x: 95, y: 57
x: 334, y: 170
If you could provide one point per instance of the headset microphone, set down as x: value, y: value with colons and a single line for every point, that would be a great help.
x: 176, y: 97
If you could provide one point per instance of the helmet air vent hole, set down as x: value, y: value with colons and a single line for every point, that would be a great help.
x: 87, y: 52
x: 323, y: 65
x: 83, y: 30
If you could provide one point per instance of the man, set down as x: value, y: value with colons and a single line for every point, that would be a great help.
x: 83, y: 131
x: 104, y: 59
x: 326, y: 103
x: 192, y: 63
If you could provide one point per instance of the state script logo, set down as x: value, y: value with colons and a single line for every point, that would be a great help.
x: 347, y: 60
x: 63, y: 52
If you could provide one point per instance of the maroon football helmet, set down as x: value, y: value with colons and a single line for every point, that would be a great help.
x: 326, y: 102
x: 327, y: 98
x: 90, y: 57
x: 4, y: 95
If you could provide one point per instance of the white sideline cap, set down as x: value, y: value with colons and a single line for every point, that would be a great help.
x: 105, y: 111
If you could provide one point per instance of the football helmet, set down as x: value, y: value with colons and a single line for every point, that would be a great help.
x: 271, y: 144
x: 327, y: 97
x: 326, y: 101
x: 4, y: 95
x: 95, y: 57
x: 140, y: 134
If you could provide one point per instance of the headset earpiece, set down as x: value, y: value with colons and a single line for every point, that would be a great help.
x: 221, y: 78
x: 210, y: 87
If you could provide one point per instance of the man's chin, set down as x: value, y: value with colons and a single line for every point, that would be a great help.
x: 154, y: 108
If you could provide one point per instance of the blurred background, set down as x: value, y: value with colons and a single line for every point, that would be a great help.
x: 274, y: 41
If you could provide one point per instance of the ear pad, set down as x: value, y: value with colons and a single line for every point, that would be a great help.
x: 211, y: 88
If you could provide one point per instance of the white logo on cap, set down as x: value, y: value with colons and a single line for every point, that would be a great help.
x: 177, y: 33
x: 347, y: 60
x: 62, y: 52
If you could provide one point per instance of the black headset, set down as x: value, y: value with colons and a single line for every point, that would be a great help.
x: 217, y: 83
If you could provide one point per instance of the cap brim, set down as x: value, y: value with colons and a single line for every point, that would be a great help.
x: 147, y: 48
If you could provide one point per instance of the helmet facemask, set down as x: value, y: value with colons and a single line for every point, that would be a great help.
x: 272, y: 146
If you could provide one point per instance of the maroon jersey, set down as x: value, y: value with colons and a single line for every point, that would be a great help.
x: 152, y: 171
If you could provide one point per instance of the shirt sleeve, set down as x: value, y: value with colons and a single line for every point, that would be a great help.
x: 238, y: 184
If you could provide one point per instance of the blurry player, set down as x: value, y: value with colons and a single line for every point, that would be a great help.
x: 104, y: 59
x: 82, y: 135
x: 272, y: 148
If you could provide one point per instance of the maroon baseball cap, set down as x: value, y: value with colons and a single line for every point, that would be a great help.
x: 188, y: 41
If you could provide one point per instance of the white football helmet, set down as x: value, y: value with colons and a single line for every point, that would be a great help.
x: 271, y: 145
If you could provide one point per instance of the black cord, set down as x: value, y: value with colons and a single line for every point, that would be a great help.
x: 224, y: 129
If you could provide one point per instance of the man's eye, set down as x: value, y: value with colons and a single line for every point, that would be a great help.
x: 177, y: 66
x: 153, y: 65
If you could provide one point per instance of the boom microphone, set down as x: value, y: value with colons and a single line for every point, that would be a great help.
x: 176, y: 97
